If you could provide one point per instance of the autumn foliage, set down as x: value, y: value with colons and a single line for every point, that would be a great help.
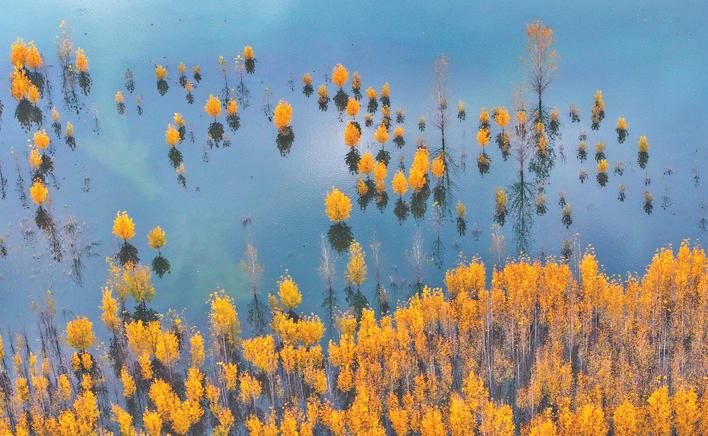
x: 123, y: 226
x: 337, y: 205
x: 283, y: 115
x: 38, y: 192
x: 213, y: 106
x: 81, y: 61
x: 542, y: 349
x: 352, y: 135
x: 339, y: 75
x: 527, y: 348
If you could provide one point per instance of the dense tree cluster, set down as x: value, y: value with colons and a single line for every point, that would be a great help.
x: 540, y: 351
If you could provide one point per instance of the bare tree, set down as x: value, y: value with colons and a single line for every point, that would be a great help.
x: 522, y: 146
x: 441, y: 114
x: 381, y: 298
x: 253, y: 270
x: 326, y: 270
x: 251, y: 267
x: 498, y: 246
x: 520, y: 191
x: 542, y: 59
x: 417, y: 259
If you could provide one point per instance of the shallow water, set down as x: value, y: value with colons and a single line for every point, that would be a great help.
x: 648, y: 62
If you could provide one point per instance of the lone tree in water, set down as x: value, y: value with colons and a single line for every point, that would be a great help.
x: 441, y: 114
x: 542, y: 59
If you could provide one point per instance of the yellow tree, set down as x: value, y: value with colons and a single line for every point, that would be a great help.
x: 123, y: 226
x: 81, y: 61
x: 225, y: 326
x: 542, y: 58
x: 685, y: 406
x: 356, y: 268
x: 38, y: 192
x: 590, y: 421
x: 339, y: 75
x: 366, y: 163
x: 109, y: 306
x: 497, y: 420
x: 658, y: 413
x: 338, y: 205
x: 79, y: 334
x: 283, y: 115
x: 625, y: 419
x: 355, y: 276
x: 288, y: 292
x: 352, y: 134
x: 213, y: 106
x: 400, y: 184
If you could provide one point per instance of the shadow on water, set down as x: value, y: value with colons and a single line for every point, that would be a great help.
x: 340, y: 237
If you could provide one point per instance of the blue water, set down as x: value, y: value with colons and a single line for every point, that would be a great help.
x: 648, y: 60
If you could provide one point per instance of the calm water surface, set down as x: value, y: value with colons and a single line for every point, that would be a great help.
x: 647, y: 60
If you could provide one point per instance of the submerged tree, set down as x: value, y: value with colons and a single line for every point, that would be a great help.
x: 643, y: 154
x: 355, y: 276
x: 327, y: 271
x: 253, y: 270
x: 124, y: 228
x: 522, y: 207
x: 282, y: 118
x: 417, y: 259
x: 157, y: 240
x: 542, y: 60
x: 216, y: 129
x: 381, y: 297
x: 498, y: 245
x: 441, y: 114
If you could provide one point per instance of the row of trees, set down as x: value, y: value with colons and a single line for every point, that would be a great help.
x: 541, y: 351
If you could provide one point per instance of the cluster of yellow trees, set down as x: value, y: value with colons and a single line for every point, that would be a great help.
x: 365, y: 164
x: 539, y: 352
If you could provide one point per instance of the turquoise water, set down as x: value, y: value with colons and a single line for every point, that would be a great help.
x: 647, y: 60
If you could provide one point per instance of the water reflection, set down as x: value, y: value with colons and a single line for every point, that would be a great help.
x: 521, y: 200
x: 78, y: 248
x: 120, y: 103
x: 417, y: 258
x: 327, y: 271
x: 250, y: 60
x: 340, y: 236
x: 373, y: 104
x: 567, y: 215
x: 648, y: 202
x: 85, y: 82
x: 284, y: 140
x: 162, y: 85
x: 233, y: 121
x: 356, y: 86
x: 257, y: 308
x: 129, y: 81
x: 621, y: 192
x: 189, y: 97
x: 341, y: 99
x: 323, y: 99
x: 522, y: 207
x: 419, y: 201
x: 381, y: 298
x: 3, y: 183
x: 401, y: 210
x: 500, y: 199
x: 28, y: 115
